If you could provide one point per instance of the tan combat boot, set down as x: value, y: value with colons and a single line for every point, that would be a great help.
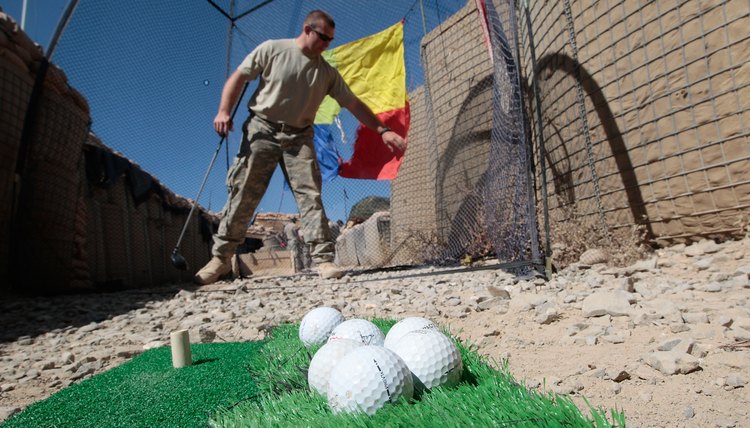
x: 329, y: 270
x: 213, y: 270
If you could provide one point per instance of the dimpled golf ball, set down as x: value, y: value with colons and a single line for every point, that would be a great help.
x: 328, y: 357
x: 317, y: 325
x: 359, y: 329
x: 368, y: 378
x: 404, y: 326
x: 432, y: 358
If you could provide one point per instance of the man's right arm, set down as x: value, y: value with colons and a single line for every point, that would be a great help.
x: 230, y: 93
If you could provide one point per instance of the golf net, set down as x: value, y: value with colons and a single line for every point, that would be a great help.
x: 633, y: 111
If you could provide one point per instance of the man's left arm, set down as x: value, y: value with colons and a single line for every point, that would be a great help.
x: 363, y: 113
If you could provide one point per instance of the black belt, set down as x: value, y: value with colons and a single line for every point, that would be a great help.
x: 282, y: 127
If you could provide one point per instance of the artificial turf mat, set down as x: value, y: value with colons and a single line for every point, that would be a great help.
x: 265, y: 384
x: 148, y: 392
x: 486, y: 397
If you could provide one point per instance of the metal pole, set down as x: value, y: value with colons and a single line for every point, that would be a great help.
x: 23, y: 15
x: 61, y: 25
x: 530, y: 206
x: 539, y: 132
x: 228, y: 61
x: 424, y: 25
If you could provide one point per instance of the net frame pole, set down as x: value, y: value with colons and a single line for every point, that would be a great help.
x: 228, y: 60
x: 61, y: 26
x: 536, y: 258
x: 540, y: 139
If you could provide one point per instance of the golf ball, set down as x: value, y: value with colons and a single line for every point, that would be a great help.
x: 404, y: 326
x: 328, y: 357
x: 318, y: 324
x: 432, y: 358
x: 368, y: 378
x: 359, y: 329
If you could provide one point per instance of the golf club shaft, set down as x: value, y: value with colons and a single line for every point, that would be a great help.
x: 208, y: 171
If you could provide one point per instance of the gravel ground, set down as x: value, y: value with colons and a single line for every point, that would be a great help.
x: 666, y: 340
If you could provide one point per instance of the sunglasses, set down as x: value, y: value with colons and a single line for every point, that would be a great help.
x: 324, y: 37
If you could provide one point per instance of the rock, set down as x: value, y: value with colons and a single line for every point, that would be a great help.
x: 677, y: 344
x: 24, y: 340
x: 734, y: 380
x: 688, y: 412
x: 641, y: 266
x: 491, y: 303
x: 84, y: 370
x: 547, y: 316
x: 67, y: 358
x: 613, y: 338
x: 453, y: 301
x: 723, y: 320
x: 663, y: 309
x: 622, y: 375
x: 527, y: 302
x: 672, y: 362
x: 89, y: 328
x: 678, y: 328
x: 695, y: 317
x: 669, y: 344
x: 615, y: 303
x: 498, y: 292
x: 206, y: 335
x: 704, y: 246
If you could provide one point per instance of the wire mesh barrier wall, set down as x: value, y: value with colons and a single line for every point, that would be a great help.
x: 643, y: 110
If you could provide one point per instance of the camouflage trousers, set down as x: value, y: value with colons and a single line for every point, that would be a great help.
x: 265, y: 145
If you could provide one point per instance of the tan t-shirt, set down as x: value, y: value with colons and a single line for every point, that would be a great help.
x: 291, y: 85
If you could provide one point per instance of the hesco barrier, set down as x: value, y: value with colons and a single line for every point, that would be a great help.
x: 644, y: 117
x: 74, y: 215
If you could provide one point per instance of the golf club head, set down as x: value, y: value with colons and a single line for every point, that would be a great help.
x: 178, y: 261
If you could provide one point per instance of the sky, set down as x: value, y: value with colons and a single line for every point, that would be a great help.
x: 153, y: 70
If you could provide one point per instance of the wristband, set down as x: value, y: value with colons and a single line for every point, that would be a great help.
x: 384, y: 130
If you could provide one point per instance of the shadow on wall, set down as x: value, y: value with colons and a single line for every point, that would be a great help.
x: 461, y: 173
x: 563, y: 178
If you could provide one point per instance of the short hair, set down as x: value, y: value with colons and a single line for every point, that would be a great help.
x: 316, y: 16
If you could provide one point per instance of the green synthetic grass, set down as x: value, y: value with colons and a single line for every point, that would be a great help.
x: 148, y: 392
x: 265, y: 384
x: 485, y: 397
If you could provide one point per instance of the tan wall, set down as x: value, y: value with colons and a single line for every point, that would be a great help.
x: 46, y: 193
x: 666, y: 95
x: 665, y: 90
x: 129, y: 245
x: 448, y: 146
x: 72, y: 233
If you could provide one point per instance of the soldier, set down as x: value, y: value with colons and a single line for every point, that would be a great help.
x: 293, y: 80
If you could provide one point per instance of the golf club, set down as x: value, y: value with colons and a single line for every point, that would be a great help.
x: 178, y: 260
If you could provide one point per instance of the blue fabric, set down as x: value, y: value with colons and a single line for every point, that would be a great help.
x: 328, y: 158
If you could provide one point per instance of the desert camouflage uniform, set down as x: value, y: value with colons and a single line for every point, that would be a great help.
x: 264, y: 145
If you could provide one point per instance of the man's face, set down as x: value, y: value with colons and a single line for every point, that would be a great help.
x: 319, y: 36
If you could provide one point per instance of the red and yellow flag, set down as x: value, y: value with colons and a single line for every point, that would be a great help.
x: 374, y: 69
